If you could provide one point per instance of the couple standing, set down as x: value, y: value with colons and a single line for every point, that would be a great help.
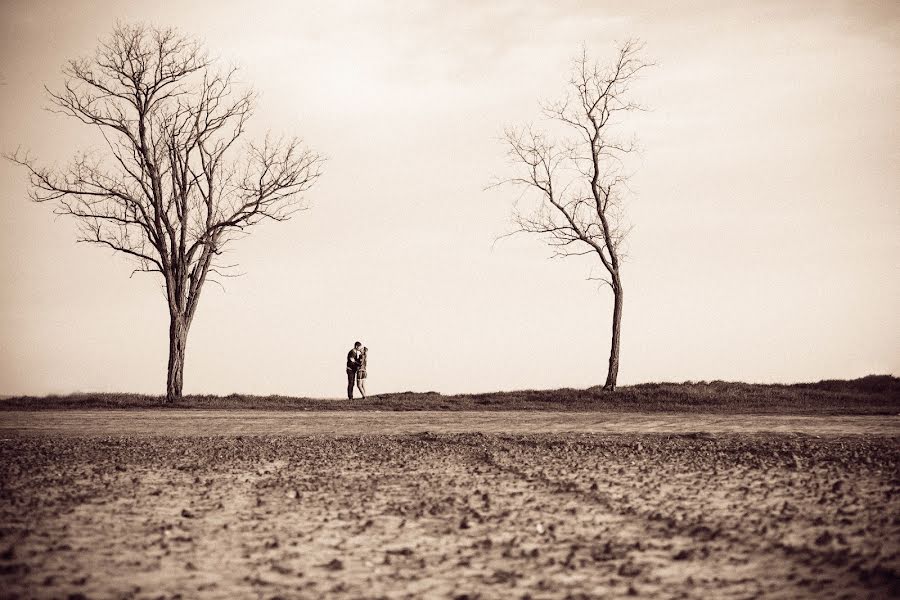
x: 356, y: 370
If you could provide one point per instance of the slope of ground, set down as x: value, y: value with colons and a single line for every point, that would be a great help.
x: 876, y: 394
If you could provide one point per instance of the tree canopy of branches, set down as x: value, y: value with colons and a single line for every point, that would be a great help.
x: 171, y: 186
x: 579, y: 176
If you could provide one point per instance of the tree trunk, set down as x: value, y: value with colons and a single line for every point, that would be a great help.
x: 613, y: 373
x: 178, y: 330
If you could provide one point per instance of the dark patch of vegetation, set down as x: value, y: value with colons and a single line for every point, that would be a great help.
x: 874, y: 394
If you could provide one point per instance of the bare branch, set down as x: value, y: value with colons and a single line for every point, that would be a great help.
x: 577, y: 180
x: 174, y: 183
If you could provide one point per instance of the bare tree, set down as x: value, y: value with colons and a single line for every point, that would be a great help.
x: 171, y: 188
x: 579, y: 176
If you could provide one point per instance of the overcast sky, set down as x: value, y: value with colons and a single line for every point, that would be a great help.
x: 766, y: 202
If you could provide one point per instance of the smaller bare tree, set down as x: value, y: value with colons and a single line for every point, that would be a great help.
x: 579, y: 177
x: 171, y: 189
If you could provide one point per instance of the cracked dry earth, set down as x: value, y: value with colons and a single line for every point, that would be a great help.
x: 450, y: 516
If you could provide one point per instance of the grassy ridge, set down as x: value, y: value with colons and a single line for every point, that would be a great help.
x: 874, y: 394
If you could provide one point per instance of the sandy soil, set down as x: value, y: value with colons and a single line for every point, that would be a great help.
x: 497, y: 515
x: 259, y: 422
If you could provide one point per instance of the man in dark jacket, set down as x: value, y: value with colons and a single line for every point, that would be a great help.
x: 353, y: 363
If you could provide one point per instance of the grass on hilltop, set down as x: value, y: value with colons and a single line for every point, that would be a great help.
x: 872, y: 395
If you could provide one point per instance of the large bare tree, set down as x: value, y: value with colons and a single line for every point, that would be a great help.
x: 170, y: 187
x: 578, y: 174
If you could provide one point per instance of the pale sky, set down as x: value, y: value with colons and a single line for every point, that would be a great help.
x: 766, y: 204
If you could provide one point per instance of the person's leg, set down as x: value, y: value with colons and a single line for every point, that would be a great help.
x: 351, y: 379
x: 361, y: 383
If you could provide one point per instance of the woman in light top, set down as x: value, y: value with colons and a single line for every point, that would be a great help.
x: 361, y: 373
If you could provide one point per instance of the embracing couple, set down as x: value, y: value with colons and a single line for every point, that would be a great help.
x: 356, y: 370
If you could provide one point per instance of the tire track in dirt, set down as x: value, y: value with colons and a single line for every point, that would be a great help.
x: 774, y: 554
x: 636, y: 545
x: 448, y: 516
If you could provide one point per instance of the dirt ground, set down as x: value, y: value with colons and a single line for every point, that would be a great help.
x: 213, y: 514
x: 144, y: 422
